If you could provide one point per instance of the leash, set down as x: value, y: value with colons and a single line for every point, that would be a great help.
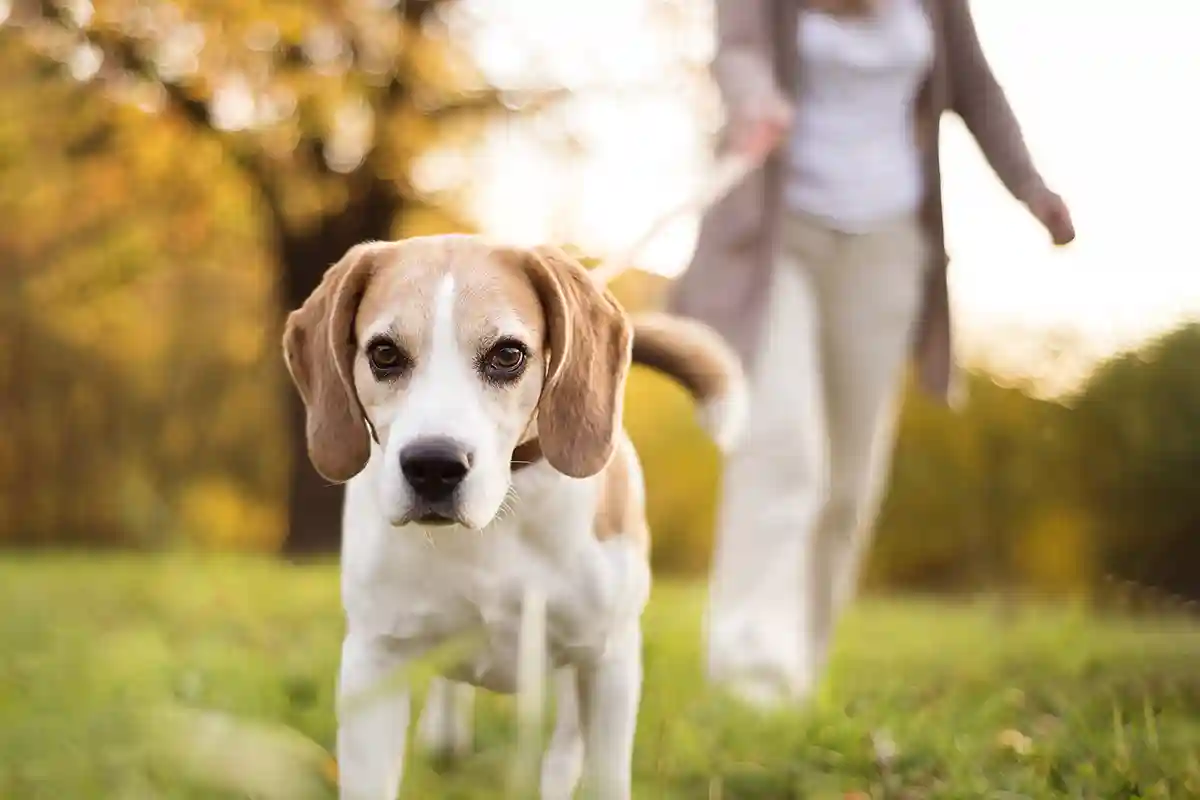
x: 731, y: 169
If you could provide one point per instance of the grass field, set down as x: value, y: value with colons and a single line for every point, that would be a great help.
x: 924, y: 700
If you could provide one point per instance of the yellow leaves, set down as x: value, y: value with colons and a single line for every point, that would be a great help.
x: 217, y: 513
x: 408, y: 134
x: 243, y: 342
x: 1054, y: 551
x: 680, y: 464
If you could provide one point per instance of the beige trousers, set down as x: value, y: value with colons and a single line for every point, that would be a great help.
x: 802, y: 490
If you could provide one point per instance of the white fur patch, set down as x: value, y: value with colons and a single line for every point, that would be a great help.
x: 725, y: 418
x: 443, y: 319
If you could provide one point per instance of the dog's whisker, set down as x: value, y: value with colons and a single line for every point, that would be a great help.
x: 508, y: 504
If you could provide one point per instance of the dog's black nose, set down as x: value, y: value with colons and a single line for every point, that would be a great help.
x: 435, y: 467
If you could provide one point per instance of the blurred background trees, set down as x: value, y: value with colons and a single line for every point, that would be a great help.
x: 175, y: 177
x: 315, y: 116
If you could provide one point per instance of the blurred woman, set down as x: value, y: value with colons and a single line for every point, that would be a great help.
x: 823, y: 269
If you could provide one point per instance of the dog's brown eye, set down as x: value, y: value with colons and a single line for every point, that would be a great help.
x: 384, y: 356
x: 505, y: 361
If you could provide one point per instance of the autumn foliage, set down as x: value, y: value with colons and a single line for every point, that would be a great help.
x: 149, y: 249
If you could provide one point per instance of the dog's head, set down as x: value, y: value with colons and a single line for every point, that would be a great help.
x: 449, y: 353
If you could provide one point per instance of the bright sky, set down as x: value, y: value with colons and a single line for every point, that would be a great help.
x: 1101, y: 90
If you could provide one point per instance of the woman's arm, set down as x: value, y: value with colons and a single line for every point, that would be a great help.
x: 978, y: 99
x: 743, y: 66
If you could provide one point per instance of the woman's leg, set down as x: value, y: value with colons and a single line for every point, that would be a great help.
x: 759, y: 623
x: 869, y: 297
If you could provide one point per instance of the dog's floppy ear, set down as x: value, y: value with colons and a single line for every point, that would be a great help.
x: 590, y: 341
x: 319, y: 347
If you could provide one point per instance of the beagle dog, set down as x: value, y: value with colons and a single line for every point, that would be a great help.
x: 471, y: 395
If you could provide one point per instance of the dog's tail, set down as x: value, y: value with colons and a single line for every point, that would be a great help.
x: 703, y: 363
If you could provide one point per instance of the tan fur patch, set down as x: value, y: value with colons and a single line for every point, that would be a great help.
x: 319, y: 353
x: 686, y: 350
x: 590, y: 340
x: 617, y: 511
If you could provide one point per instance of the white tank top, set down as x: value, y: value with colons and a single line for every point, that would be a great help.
x: 854, y: 159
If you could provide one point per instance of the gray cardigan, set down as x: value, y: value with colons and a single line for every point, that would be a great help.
x: 757, y: 61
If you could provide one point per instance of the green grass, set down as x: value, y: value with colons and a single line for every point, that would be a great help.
x: 89, y: 646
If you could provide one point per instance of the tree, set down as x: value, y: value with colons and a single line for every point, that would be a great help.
x: 131, y: 356
x: 1137, y: 450
x: 325, y: 111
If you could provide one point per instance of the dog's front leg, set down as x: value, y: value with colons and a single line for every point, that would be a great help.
x: 373, y: 716
x: 610, y: 690
x: 563, y: 761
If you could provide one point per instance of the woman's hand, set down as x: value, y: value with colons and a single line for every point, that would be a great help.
x: 1051, y: 211
x: 757, y: 133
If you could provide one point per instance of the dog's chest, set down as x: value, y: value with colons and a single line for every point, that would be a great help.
x: 467, y: 590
